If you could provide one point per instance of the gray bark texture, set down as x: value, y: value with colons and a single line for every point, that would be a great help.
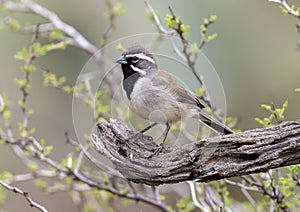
x: 215, y: 158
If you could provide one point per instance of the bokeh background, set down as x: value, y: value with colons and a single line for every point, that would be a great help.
x: 255, y: 55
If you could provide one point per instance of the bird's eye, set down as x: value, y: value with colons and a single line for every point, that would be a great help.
x: 135, y: 59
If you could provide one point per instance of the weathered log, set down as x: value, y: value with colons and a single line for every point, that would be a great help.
x: 215, y: 158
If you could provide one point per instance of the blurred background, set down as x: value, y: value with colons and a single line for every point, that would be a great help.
x: 255, y: 56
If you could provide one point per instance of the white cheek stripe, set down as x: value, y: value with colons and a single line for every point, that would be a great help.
x: 142, y: 72
x: 141, y: 56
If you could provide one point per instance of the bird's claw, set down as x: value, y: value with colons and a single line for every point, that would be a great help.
x: 156, y: 151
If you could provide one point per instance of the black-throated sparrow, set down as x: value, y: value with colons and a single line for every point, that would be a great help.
x: 156, y: 96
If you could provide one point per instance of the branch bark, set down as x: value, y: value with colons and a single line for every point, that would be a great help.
x: 215, y: 158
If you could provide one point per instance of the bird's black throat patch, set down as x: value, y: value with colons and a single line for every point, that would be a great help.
x: 130, y: 78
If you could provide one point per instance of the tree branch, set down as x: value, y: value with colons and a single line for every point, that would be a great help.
x: 32, y: 7
x: 290, y: 10
x: 25, y: 195
x: 215, y: 158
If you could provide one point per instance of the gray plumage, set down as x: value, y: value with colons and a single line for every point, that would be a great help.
x: 155, y: 95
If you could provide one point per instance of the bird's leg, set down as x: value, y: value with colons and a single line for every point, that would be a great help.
x: 148, y: 127
x: 168, y: 126
x: 162, y: 145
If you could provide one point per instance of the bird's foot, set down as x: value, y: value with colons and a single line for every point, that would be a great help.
x: 156, y: 150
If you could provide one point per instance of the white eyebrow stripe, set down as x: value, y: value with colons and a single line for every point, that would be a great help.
x: 141, y: 56
x: 142, y: 72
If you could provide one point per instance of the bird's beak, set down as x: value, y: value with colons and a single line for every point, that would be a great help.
x: 121, y: 60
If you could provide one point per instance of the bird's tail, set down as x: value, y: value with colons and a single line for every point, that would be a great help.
x: 215, y: 125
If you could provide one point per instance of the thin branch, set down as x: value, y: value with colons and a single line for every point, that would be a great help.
x: 183, y: 53
x: 194, y: 197
x: 159, y: 26
x: 190, y: 62
x: 242, y: 186
x: 25, y: 195
x: 287, y: 7
x: 32, y: 7
x: 84, y: 182
x: 78, y: 40
x: 133, y: 196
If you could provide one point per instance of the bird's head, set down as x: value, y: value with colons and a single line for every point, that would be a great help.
x: 136, y: 59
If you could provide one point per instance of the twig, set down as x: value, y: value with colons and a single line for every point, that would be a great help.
x: 30, y: 6
x: 85, y: 183
x: 191, y: 63
x: 25, y: 195
x: 245, y: 187
x: 157, y: 21
x: 194, y: 197
x: 287, y: 7
x: 111, y: 25
x: 184, y: 54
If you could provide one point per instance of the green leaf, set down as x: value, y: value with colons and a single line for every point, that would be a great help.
x: 22, y: 55
x: 184, y: 28
x: 29, y: 68
x: 39, y: 50
x: 200, y: 91
x: 62, y: 80
x: 42, y: 142
x: 41, y: 184
x: 203, y: 28
x: 292, y: 168
x: 297, y: 90
x: 266, y: 107
x: 102, y: 42
x: 47, y: 150
x: 171, y: 22
x: 59, y: 186
x: 7, y: 114
x: 69, y: 180
x: 33, y: 166
x: 31, y: 131
x: 67, y: 89
x: 170, y: 208
x: 213, y: 18
x: 30, y: 112
x: 195, y: 49
x: 21, y: 82
x: 162, y: 197
x: 118, y: 8
x: 104, y: 177
x: 119, y: 47
x: 258, y: 120
x: 124, y: 190
x: 3, y: 195
x: 285, y: 105
x: 23, y: 133
x: 88, y: 208
x: 56, y: 34
x: 89, y: 102
x: 6, y: 176
x: 212, y: 37
x: 185, y: 204
x: 283, y: 10
x: 2, y: 141
x: 13, y: 24
x: 205, y: 21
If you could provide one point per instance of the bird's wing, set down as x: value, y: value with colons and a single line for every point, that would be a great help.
x: 170, y: 84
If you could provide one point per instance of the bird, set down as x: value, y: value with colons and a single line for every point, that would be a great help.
x: 155, y: 95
